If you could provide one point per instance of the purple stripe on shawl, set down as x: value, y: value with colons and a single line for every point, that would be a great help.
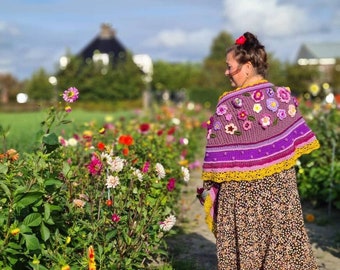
x: 284, y: 141
x: 275, y: 158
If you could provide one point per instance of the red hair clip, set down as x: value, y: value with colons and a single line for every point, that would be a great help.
x: 241, y: 40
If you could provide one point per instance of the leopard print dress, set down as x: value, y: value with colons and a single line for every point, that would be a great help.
x: 260, y: 225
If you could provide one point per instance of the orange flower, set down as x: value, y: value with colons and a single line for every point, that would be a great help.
x: 125, y: 140
x: 87, y: 135
x: 12, y: 154
x: 101, y: 146
x: 92, y: 263
x: 310, y: 218
x: 125, y: 151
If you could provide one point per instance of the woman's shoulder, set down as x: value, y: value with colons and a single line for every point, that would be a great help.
x: 247, y: 88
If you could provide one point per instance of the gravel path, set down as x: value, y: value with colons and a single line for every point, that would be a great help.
x: 195, y: 247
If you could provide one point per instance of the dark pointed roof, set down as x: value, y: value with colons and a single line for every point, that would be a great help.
x: 106, y: 42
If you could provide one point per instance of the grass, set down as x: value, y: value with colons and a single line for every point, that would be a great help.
x: 23, y: 126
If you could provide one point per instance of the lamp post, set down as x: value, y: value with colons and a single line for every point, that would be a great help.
x: 53, y: 81
x: 144, y: 62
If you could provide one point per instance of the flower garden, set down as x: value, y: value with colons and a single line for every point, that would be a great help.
x: 105, y: 195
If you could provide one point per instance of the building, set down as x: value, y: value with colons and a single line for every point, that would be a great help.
x: 323, y: 55
x: 104, y: 46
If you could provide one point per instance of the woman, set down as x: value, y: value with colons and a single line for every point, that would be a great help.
x: 253, y: 141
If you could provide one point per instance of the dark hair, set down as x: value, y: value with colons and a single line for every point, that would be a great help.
x: 253, y: 51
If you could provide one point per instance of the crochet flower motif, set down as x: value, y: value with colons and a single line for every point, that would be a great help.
x: 295, y: 101
x: 270, y: 92
x: 272, y: 104
x: 222, y: 109
x: 291, y: 110
x: 217, y: 125
x: 242, y: 115
x: 228, y: 116
x: 257, y: 108
x: 237, y: 102
x: 281, y: 114
x: 210, y: 123
x: 247, y: 125
x: 257, y: 95
x: 230, y: 128
x: 265, y: 121
x: 283, y: 94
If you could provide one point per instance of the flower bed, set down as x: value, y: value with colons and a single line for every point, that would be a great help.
x: 103, y: 197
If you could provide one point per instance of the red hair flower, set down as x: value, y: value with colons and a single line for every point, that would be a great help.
x: 241, y: 40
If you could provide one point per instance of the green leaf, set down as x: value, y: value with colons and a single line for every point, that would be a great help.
x: 127, y: 239
x: 47, y: 211
x: 6, y: 189
x: 251, y: 118
x: 31, y: 241
x: 110, y: 235
x: 32, y: 220
x: 45, y: 232
x: 25, y: 229
x: 25, y: 199
x: 53, y: 182
x: 3, y: 168
x: 51, y: 139
x: 13, y: 251
x: 66, y: 168
x: 151, y: 201
x: 49, y: 221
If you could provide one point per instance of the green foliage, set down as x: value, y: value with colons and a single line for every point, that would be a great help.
x: 39, y: 88
x: 319, y: 173
x: 58, y: 201
x: 174, y: 76
x: 214, y: 64
x: 97, y: 81
x: 335, y: 77
x: 299, y: 78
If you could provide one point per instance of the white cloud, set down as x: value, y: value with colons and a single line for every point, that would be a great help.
x: 180, y: 45
x: 270, y: 17
x: 177, y: 38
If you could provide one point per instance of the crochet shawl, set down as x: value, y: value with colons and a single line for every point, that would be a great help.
x: 256, y: 131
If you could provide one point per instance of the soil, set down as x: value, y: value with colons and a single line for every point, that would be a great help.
x: 194, y: 247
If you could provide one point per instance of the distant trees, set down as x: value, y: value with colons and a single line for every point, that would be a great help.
x: 97, y: 81
x: 9, y: 88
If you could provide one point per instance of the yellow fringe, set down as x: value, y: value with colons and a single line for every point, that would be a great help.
x: 208, y: 204
x: 220, y: 177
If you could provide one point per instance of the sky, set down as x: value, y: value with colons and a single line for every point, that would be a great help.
x: 36, y: 33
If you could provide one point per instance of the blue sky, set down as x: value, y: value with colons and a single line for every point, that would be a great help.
x: 36, y: 33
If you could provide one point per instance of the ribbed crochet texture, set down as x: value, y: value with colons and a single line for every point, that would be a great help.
x: 256, y: 131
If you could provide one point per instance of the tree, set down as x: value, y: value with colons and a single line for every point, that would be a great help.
x: 299, y: 78
x: 174, y: 76
x: 9, y: 88
x: 97, y: 81
x: 214, y: 64
x: 39, y: 88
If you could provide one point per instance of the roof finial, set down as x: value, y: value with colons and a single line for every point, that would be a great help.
x: 106, y: 31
